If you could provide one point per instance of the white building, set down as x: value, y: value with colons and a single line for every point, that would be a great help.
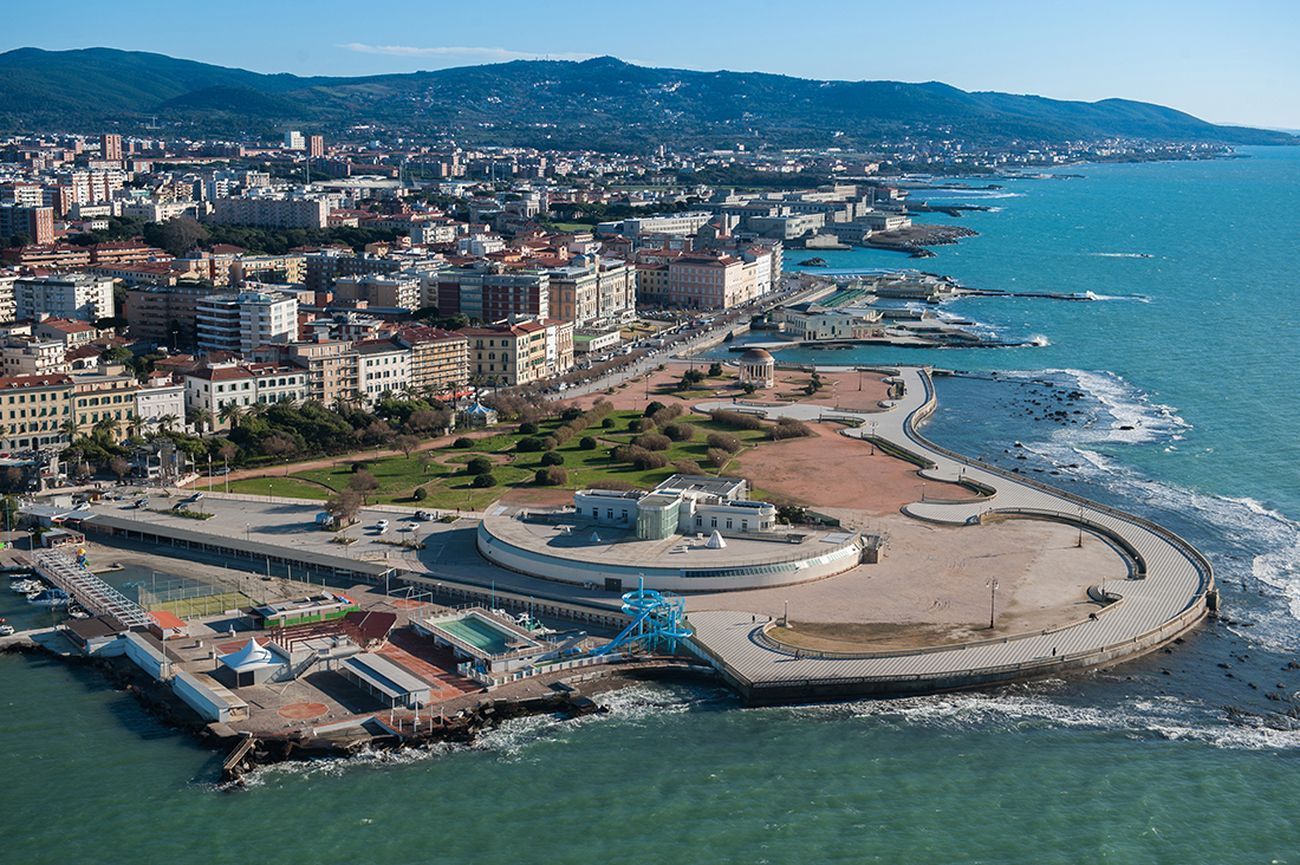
x: 78, y: 296
x: 158, y: 398
x: 383, y: 367
x: 293, y: 140
x: 266, y: 317
x: 210, y: 391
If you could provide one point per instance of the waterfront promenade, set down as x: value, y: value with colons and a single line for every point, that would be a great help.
x: 1169, y: 589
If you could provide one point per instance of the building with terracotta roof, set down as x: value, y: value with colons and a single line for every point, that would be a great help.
x: 439, y: 359
x: 513, y: 353
x: 35, y: 411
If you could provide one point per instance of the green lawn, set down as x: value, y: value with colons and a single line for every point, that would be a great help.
x: 448, y: 485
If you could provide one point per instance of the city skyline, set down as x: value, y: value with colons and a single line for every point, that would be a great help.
x: 1168, y: 54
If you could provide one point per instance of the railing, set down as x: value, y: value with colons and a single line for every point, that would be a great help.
x: 1198, y: 560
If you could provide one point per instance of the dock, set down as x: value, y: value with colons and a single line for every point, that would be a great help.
x: 95, y: 595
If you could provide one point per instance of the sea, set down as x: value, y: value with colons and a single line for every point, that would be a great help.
x: 1180, y: 382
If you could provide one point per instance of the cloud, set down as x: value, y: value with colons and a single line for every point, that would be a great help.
x: 458, y: 52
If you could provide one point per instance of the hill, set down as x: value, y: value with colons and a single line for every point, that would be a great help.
x: 598, y: 103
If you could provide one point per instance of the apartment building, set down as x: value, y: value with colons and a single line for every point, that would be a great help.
x: 35, y: 224
x: 79, y: 296
x: 160, y: 398
x: 165, y: 315
x: 266, y: 317
x: 383, y: 367
x: 8, y: 307
x: 210, y: 392
x: 271, y: 212
x: 29, y: 355
x: 398, y: 291
x: 104, y: 397
x: 493, y: 293
x: 509, y: 354
x: 439, y: 359
x: 35, y: 411
x: 331, y: 367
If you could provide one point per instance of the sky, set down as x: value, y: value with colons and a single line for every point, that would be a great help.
x: 1236, y: 62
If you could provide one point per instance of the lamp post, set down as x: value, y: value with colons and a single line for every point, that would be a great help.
x: 993, y: 600
x: 1079, y: 542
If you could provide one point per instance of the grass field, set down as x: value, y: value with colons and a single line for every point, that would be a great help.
x: 441, y: 472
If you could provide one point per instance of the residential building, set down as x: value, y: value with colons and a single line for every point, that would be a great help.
x: 160, y: 401
x: 110, y: 147
x: 36, y: 224
x: 271, y: 212
x: 213, y: 392
x: 398, y: 291
x: 8, y: 307
x: 315, y: 146
x: 293, y: 140
x: 165, y: 315
x: 493, y: 293
x: 35, y: 411
x: 217, y: 325
x: 439, y: 359
x: 331, y: 367
x: 27, y: 355
x: 79, y: 296
x: 68, y: 332
x: 266, y: 317
x: 104, y: 400
x: 509, y: 354
x: 383, y: 367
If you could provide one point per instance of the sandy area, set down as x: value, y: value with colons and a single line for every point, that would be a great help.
x: 829, y: 470
x: 931, y: 583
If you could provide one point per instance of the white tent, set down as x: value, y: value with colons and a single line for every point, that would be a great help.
x: 715, y: 541
x: 250, y: 657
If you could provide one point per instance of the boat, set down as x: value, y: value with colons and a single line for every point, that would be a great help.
x: 6, y: 629
x: 49, y: 598
x: 26, y: 586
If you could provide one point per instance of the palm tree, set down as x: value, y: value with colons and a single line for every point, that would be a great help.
x: 166, y: 421
x: 203, y: 419
x: 231, y: 413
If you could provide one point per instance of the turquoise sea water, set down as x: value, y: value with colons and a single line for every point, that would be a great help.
x: 1175, y: 758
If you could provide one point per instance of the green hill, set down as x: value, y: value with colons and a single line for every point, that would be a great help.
x: 598, y: 103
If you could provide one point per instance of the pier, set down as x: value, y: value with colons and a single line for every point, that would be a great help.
x: 1169, y: 590
x: 95, y: 595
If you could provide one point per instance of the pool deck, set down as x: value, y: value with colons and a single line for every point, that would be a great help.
x: 1169, y: 591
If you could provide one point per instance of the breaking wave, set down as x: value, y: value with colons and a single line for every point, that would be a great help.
x: 1139, y: 298
x: 1121, y: 254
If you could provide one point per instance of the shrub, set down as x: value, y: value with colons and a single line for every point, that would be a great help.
x: 652, y: 441
x: 653, y: 407
x: 736, y: 419
x: 648, y: 460
x: 529, y: 444
x: 587, y: 443
x: 789, y: 428
x: 551, y: 458
x: 528, y: 428
x: 562, y: 435
x: 680, y: 432
x: 484, y: 481
x: 626, y: 453
x: 688, y: 467
x: 571, y: 413
x: 479, y: 466
x: 553, y: 476
x: 640, y: 424
x: 715, y: 369
x: 609, y: 423
x: 718, y: 457
x: 420, y: 494
x: 549, y: 443
x: 724, y: 442
x: 360, y: 466
x: 463, y: 443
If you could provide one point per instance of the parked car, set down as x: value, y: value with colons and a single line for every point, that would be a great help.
x: 382, y: 526
x: 423, y: 516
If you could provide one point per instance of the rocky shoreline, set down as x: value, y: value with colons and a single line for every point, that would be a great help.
x: 915, y: 239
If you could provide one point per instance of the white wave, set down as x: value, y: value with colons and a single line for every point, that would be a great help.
x: 1129, y: 414
x: 1039, y: 340
x: 1166, y: 717
x: 1139, y: 298
x: 1121, y: 254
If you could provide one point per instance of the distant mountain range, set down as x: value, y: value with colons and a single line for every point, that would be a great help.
x: 598, y: 103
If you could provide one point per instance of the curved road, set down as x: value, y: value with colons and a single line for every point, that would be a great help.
x: 1166, y: 593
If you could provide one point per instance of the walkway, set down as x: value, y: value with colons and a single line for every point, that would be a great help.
x: 1166, y: 594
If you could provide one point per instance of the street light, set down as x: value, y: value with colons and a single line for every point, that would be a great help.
x: 993, y: 600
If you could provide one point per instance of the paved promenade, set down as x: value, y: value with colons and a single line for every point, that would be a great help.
x: 1166, y: 593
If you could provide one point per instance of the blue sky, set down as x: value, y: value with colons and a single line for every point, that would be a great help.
x: 1236, y: 62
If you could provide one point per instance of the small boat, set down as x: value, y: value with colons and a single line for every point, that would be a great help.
x: 6, y: 629
x: 49, y: 598
x: 26, y: 586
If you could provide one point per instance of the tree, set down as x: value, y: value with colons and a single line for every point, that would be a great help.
x: 119, y: 467
x: 484, y: 481
x: 231, y: 414
x: 227, y: 451
x: 653, y: 408
x: 363, y: 483
x: 420, y: 494
x: 552, y: 476
x: 715, y: 369
x: 166, y: 422
x: 406, y: 444
x: 478, y: 466
x: 587, y: 443
x: 463, y: 443
x: 178, y: 236
x: 278, y: 445
x: 344, y: 505
x: 552, y: 458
